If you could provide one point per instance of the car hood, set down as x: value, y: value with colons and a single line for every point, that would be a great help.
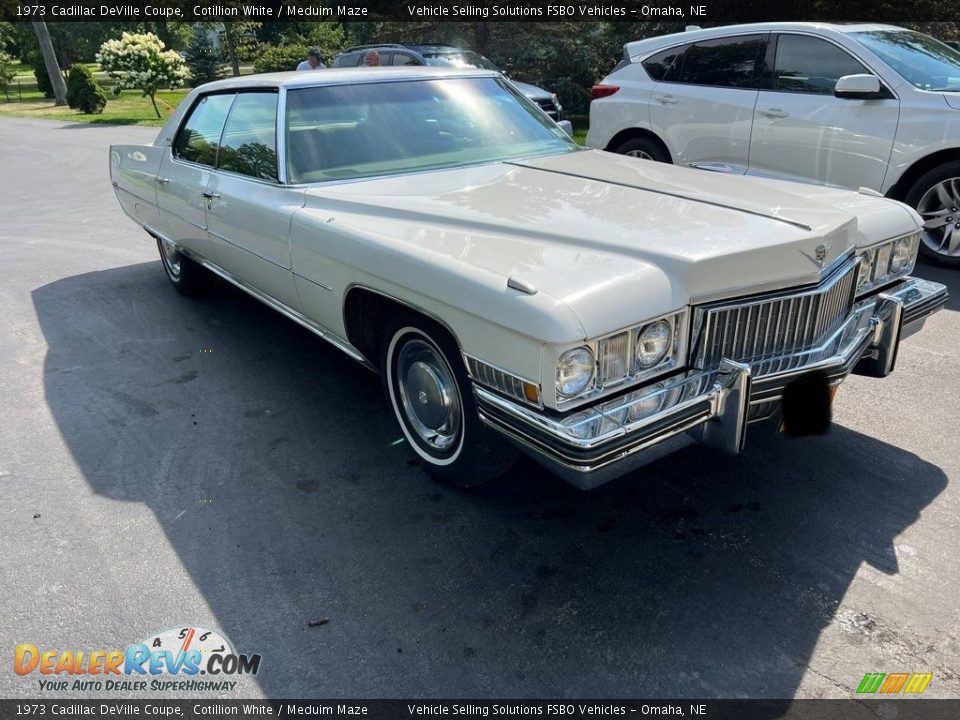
x: 532, y: 91
x: 618, y: 240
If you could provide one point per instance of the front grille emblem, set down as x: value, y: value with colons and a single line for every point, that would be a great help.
x: 819, y: 254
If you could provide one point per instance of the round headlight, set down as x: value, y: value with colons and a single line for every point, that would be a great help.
x: 574, y: 371
x: 900, y: 257
x: 653, y: 343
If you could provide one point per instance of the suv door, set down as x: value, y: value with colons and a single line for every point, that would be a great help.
x: 703, y: 104
x: 802, y: 132
x: 248, y: 210
x: 185, y: 172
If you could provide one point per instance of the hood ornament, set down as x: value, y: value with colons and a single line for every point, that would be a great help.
x: 819, y: 255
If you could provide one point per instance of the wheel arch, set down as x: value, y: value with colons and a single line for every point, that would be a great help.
x: 637, y: 132
x: 899, y: 190
x: 365, y: 311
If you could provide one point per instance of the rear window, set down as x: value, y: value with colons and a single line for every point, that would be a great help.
x: 723, y: 62
x: 664, y: 66
x: 199, y: 138
x: 249, y: 143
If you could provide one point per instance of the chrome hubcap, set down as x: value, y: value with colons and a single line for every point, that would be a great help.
x: 642, y: 154
x: 171, y: 257
x: 940, y: 209
x: 429, y: 395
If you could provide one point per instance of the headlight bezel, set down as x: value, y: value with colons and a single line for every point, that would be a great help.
x: 625, y: 342
x: 877, y: 262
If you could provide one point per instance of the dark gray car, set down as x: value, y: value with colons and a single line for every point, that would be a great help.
x: 443, y: 56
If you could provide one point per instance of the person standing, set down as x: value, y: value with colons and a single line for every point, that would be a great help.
x: 313, y: 61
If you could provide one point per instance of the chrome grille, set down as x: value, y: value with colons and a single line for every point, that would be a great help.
x: 763, y: 328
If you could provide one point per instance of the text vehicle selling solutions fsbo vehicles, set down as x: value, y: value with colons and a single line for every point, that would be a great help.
x: 594, y: 310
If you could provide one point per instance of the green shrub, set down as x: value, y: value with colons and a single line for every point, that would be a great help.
x: 280, y: 59
x: 83, y: 92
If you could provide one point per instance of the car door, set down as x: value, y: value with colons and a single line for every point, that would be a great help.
x: 248, y: 210
x: 185, y: 172
x: 703, y: 105
x: 801, y: 131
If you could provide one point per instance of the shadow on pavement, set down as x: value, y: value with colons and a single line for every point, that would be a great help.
x: 271, y: 462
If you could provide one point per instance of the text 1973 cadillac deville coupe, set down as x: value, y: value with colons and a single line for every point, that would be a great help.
x: 595, y: 310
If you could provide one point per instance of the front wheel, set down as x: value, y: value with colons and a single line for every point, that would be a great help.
x: 936, y: 196
x: 430, y: 395
x: 186, y: 276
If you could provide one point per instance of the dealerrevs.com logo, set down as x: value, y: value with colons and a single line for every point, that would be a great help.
x: 183, y: 659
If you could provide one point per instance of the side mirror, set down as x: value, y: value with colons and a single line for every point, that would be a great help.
x: 858, y: 87
x: 566, y: 126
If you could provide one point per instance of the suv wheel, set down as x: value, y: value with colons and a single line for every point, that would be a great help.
x: 643, y: 148
x: 936, y: 196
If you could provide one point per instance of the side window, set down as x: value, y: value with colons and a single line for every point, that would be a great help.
x: 664, y: 66
x: 404, y: 59
x: 199, y: 137
x: 810, y: 65
x: 723, y: 62
x: 249, y: 144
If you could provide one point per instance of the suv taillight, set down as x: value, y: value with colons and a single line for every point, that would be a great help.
x: 602, y: 91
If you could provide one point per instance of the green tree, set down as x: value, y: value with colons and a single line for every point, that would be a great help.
x: 83, y: 92
x: 6, y: 73
x: 202, y: 59
x: 280, y: 59
x: 140, y: 61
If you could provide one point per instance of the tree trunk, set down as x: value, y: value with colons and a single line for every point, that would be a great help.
x: 50, y: 61
x: 231, y: 42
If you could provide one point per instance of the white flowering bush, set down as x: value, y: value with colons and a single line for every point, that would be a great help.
x: 139, y: 61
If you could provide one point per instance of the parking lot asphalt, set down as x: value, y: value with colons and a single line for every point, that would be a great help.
x: 168, y: 462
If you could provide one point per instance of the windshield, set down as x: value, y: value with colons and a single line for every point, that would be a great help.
x: 925, y: 63
x: 460, y: 59
x: 361, y: 130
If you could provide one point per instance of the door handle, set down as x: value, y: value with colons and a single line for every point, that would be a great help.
x: 667, y: 99
x: 162, y: 180
x: 775, y: 113
x: 211, y: 195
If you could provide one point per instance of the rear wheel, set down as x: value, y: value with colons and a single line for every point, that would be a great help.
x: 430, y: 395
x: 936, y: 196
x: 644, y: 148
x: 186, y: 276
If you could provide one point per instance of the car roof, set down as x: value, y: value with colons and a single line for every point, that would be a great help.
x: 639, y: 47
x: 342, y: 76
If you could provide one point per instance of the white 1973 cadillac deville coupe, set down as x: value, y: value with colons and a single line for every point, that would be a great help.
x: 595, y: 310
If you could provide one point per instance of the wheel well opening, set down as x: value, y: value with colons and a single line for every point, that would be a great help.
x: 918, y: 169
x: 365, y: 316
x: 633, y: 133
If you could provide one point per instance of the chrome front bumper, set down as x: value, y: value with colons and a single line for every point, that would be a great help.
x: 591, y: 446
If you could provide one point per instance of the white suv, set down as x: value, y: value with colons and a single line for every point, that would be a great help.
x: 872, y: 106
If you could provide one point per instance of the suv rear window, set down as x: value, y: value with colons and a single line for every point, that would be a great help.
x: 664, y: 66
x: 723, y: 62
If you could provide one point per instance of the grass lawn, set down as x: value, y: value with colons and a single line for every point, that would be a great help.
x: 128, y: 109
